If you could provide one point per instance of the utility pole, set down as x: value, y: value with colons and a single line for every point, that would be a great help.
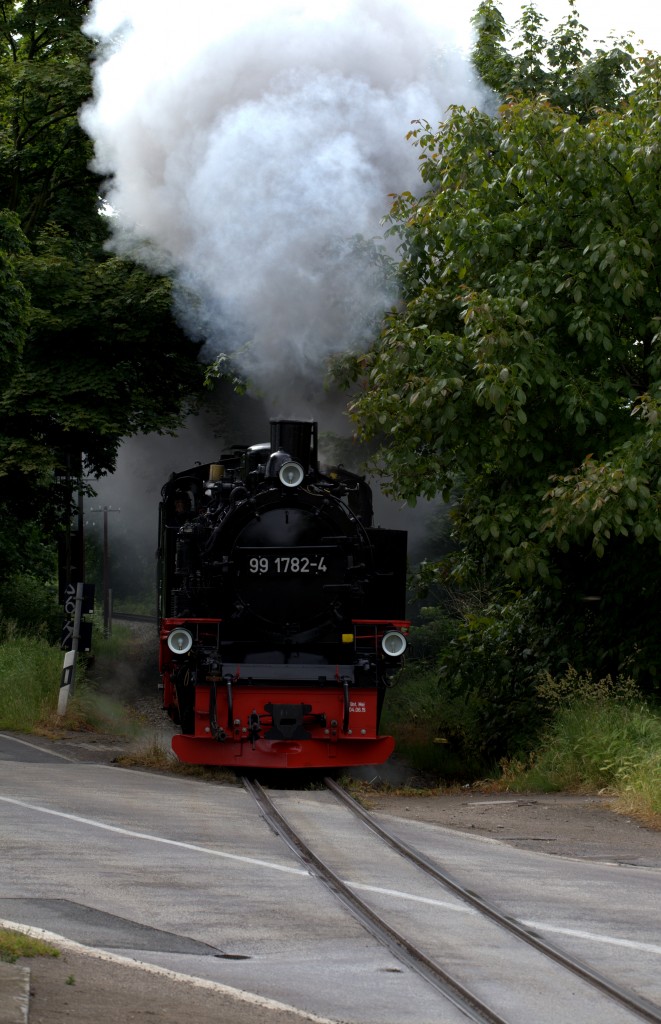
x: 71, y: 544
x: 107, y: 591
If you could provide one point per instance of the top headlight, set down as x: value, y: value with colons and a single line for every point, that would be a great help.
x: 291, y: 474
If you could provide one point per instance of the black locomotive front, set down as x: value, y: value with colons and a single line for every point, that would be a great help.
x: 281, y: 608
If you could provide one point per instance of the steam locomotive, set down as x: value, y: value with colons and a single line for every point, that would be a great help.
x: 281, y: 609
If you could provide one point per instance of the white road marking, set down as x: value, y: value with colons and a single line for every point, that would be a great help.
x: 42, y: 750
x: 644, y: 947
x: 460, y: 908
x: 155, y: 839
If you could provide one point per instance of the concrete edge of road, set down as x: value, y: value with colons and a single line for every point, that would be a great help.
x: 14, y: 993
x: 15, y: 979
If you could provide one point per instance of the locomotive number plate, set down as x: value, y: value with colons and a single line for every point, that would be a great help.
x: 288, y: 561
x: 277, y: 565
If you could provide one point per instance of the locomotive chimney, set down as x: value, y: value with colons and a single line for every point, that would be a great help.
x: 298, y: 438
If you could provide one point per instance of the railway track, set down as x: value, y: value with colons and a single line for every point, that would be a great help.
x: 130, y: 617
x: 324, y: 846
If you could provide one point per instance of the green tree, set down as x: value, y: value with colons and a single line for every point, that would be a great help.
x: 14, y: 299
x: 89, y: 348
x: 522, y: 62
x: 44, y: 155
x: 522, y: 373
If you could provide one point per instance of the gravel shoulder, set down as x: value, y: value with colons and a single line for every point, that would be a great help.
x: 564, y: 824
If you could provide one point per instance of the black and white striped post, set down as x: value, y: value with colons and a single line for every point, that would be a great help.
x: 68, y: 679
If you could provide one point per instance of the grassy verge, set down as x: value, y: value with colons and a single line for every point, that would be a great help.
x: 14, y: 945
x: 603, y: 743
x: 30, y: 674
x: 600, y: 736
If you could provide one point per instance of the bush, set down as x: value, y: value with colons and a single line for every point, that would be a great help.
x: 489, y: 685
x: 483, y: 655
x: 431, y: 730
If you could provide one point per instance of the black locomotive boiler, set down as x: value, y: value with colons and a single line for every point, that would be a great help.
x: 281, y: 609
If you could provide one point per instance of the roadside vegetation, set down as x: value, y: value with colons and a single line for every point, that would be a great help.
x: 601, y: 735
x: 584, y: 735
x: 30, y: 674
x: 31, y: 664
x: 14, y: 945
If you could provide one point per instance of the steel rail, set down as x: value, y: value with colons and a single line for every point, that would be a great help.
x: 625, y: 997
x: 405, y: 951
x: 131, y: 617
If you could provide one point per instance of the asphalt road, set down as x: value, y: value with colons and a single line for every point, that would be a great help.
x: 185, y: 878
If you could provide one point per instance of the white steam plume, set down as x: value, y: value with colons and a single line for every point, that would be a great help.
x: 245, y: 149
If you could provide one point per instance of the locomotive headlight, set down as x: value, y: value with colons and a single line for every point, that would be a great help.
x: 180, y: 641
x: 393, y: 643
x: 291, y: 474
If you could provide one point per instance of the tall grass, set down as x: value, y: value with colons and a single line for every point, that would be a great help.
x: 30, y: 673
x: 592, y: 736
x: 602, y: 737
